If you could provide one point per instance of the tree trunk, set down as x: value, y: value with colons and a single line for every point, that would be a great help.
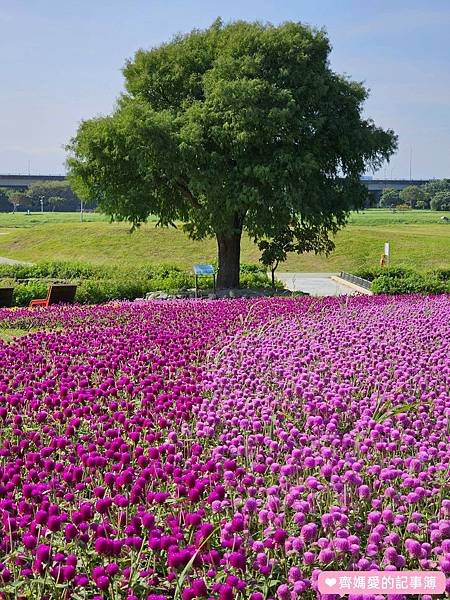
x: 229, y: 251
x: 273, y: 269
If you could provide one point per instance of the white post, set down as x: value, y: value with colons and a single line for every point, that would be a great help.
x: 387, y: 253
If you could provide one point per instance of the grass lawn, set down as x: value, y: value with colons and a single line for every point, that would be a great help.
x: 419, y: 239
x: 8, y: 334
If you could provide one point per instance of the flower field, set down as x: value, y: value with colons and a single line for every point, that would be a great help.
x: 223, y: 449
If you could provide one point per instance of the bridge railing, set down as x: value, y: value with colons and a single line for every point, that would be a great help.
x: 364, y: 283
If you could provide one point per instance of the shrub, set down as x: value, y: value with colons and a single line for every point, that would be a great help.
x: 441, y: 201
x: 251, y: 268
x: 97, y: 284
x: 392, y: 272
x: 259, y: 280
x: 68, y: 270
x: 160, y: 271
x: 441, y: 274
x: 25, y: 292
x: 96, y: 291
x: 16, y: 271
x: 177, y: 281
x: 54, y: 270
x: 413, y: 283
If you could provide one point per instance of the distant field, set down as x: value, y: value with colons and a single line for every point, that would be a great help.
x: 387, y: 217
x: 20, y: 219
x: 419, y: 239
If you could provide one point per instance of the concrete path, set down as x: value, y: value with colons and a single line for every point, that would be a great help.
x: 11, y: 261
x: 315, y: 284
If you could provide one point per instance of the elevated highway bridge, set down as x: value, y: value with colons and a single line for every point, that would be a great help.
x: 375, y: 186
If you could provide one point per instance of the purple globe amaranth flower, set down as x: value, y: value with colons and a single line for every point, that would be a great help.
x: 309, y: 532
x: 295, y: 574
x: 29, y: 541
x: 102, y: 582
x: 43, y: 553
x: 309, y: 558
x: 444, y: 563
x: 283, y: 592
x: 226, y: 592
x: 81, y: 580
x: 280, y: 536
x: 326, y: 555
x: 199, y: 588
x: 237, y: 560
x: 103, y: 545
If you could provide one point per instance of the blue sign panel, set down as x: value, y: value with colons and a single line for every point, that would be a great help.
x: 203, y: 269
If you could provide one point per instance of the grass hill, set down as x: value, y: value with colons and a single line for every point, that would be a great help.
x: 418, y: 239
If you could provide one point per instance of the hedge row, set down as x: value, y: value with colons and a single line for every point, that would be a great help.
x: 400, y: 280
x: 97, y: 284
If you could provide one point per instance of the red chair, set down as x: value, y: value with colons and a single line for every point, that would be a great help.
x: 58, y: 293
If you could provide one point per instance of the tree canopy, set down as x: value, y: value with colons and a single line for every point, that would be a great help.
x: 49, y: 191
x: 440, y: 201
x: 390, y: 197
x: 5, y: 204
x: 413, y: 194
x: 237, y: 127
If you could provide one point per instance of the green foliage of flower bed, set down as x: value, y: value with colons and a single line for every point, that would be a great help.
x: 97, y: 284
x: 398, y: 280
x: 25, y: 292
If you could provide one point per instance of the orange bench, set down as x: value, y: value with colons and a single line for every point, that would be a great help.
x: 58, y: 293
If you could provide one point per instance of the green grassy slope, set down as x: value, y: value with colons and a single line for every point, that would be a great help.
x: 419, y: 239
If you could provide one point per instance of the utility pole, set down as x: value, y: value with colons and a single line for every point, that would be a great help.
x: 410, y: 163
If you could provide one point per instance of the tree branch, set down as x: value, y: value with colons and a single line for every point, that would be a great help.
x: 183, y: 187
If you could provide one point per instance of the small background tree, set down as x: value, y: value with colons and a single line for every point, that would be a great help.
x: 19, y: 199
x: 5, y: 204
x: 57, y: 194
x: 411, y: 195
x: 390, y: 198
x: 440, y: 201
x: 297, y: 238
x: 55, y: 202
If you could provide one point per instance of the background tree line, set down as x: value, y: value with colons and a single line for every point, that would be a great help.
x: 434, y: 195
x: 56, y: 196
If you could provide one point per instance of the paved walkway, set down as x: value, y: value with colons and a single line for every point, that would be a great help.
x: 11, y: 261
x: 315, y: 284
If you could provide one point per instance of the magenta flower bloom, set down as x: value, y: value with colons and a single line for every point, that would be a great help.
x: 43, y: 553
x: 237, y: 560
x: 102, y: 582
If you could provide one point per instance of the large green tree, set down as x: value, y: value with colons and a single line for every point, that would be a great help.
x: 237, y: 127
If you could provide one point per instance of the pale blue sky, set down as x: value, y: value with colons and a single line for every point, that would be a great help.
x: 60, y: 62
